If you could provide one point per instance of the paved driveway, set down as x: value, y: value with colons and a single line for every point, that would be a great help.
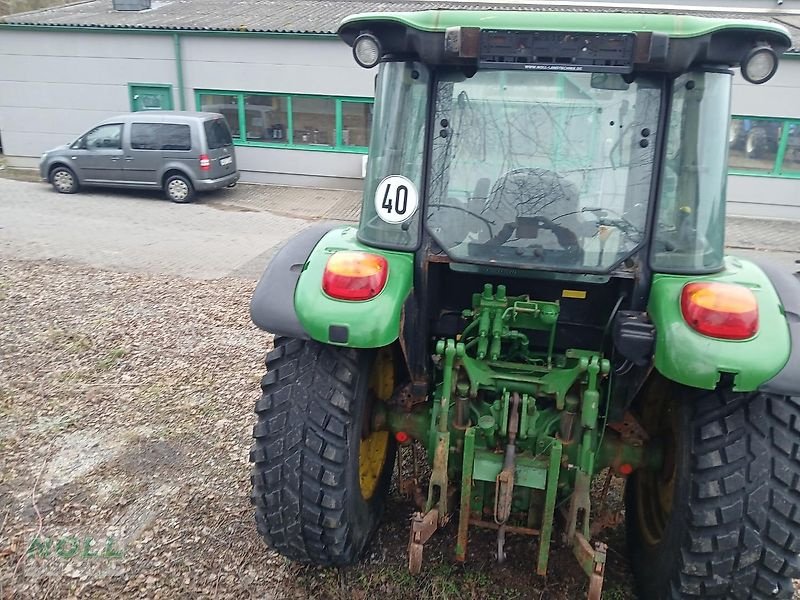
x: 139, y: 231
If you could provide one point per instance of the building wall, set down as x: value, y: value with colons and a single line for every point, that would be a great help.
x: 291, y: 66
x: 55, y: 85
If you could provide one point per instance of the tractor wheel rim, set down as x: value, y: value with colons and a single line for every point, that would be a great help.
x: 375, y: 444
x: 656, y: 486
x: 371, y: 459
x: 178, y: 189
x: 63, y: 181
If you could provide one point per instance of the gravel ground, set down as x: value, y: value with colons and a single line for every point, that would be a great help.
x: 125, y: 413
x: 125, y: 420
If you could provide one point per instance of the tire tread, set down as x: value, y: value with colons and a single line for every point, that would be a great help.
x: 301, y: 450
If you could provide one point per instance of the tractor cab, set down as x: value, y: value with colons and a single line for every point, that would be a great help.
x: 537, y: 293
x: 554, y: 142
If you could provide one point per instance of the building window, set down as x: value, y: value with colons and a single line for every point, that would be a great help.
x: 791, y: 157
x: 150, y: 96
x: 292, y: 121
x: 764, y: 146
x: 356, y: 123
x: 225, y: 104
x: 266, y: 119
x: 314, y: 121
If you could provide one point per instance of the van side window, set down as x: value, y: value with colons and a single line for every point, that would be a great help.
x: 105, y: 136
x: 160, y: 136
x: 176, y: 137
x: 144, y: 136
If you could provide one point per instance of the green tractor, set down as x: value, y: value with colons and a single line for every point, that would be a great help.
x: 537, y: 294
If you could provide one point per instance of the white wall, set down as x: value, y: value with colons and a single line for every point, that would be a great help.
x: 294, y: 66
x: 56, y: 85
x: 291, y: 66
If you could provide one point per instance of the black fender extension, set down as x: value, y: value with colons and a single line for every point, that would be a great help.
x: 787, y: 285
x: 272, y: 304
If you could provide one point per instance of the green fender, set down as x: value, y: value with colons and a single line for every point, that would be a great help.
x: 695, y: 360
x: 370, y: 323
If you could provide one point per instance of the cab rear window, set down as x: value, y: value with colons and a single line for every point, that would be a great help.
x: 217, y: 134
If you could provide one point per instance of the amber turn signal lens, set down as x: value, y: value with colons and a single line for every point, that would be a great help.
x: 354, y: 275
x: 720, y: 310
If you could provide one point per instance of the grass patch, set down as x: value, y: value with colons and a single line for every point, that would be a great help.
x: 111, y: 359
x: 73, y: 341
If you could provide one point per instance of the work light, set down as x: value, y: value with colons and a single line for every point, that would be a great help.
x: 760, y: 64
x: 367, y: 50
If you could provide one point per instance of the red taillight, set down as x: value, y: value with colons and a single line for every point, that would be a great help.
x: 354, y: 275
x: 205, y: 162
x: 720, y: 310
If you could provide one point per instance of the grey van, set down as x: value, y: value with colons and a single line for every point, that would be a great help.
x: 178, y: 152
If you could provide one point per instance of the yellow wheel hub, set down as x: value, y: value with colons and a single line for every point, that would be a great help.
x: 656, y: 487
x: 375, y: 447
x: 371, y: 458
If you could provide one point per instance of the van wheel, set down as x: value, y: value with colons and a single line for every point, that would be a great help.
x: 63, y: 180
x: 179, y: 189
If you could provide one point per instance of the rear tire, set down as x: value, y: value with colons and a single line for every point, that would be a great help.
x: 179, y: 189
x: 730, y: 526
x: 314, y: 501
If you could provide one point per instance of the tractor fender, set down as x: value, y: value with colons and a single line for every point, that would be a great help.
x: 272, y: 304
x: 692, y: 359
x: 372, y: 323
x: 787, y: 285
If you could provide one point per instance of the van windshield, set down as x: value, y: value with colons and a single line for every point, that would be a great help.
x: 542, y: 169
x: 217, y: 134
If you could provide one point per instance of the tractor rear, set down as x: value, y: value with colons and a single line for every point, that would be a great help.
x: 536, y: 295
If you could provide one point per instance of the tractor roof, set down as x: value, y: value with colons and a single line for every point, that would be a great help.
x: 683, y: 40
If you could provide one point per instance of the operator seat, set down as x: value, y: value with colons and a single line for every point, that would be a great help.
x: 534, y: 192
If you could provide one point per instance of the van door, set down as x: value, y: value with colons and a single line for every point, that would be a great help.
x: 98, y: 154
x: 143, y: 154
x: 219, y: 146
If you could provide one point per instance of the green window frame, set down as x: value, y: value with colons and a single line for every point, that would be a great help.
x: 338, y: 144
x: 786, y: 146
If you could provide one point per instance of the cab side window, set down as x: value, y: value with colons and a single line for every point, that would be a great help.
x: 105, y: 136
